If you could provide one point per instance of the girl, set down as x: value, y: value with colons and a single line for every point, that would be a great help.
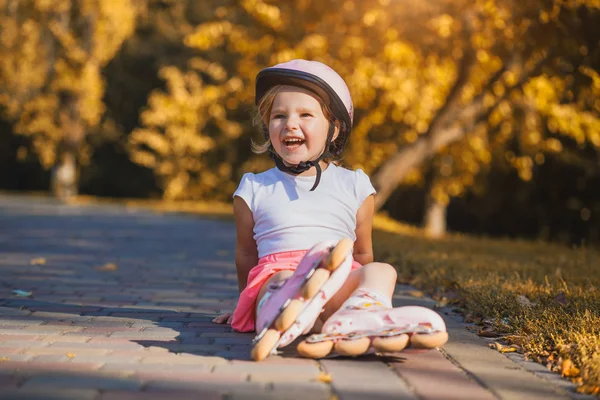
x: 306, y: 112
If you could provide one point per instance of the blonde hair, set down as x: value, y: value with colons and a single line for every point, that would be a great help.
x: 263, y: 111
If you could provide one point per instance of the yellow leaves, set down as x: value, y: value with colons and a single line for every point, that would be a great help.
x: 108, y: 267
x: 443, y: 25
x: 589, y: 389
x: 38, y: 261
x: 324, y: 378
x: 371, y: 17
x: 399, y: 51
x: 552, y: 145
x: 568, y: 369
x: 512, y: 348
x: 209, y: 35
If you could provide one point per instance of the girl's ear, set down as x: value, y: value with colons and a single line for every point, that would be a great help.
x: 336, y: 132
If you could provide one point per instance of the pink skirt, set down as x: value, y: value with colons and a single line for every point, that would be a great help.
x: 245, y: 313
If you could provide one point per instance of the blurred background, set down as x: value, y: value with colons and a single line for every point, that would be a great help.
x: 478, y: 116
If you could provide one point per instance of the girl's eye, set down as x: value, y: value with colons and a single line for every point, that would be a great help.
x: 277, y: 116
x: 307, y: 115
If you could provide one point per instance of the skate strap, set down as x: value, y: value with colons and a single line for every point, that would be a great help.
x: 409, y: 328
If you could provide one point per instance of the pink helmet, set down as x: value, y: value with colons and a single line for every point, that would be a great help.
x: 319, y: 79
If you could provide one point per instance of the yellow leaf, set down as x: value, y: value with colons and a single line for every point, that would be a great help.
x: 325, y: 378
x: 71, y: 355
x: 4, y: 359
x: 38, y: 261
x: 568, y: 369
x: 107, y: 267
x: 505, y: 348
x: 589, y: 389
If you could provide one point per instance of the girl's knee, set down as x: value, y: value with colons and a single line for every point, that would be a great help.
x: 381, y: 271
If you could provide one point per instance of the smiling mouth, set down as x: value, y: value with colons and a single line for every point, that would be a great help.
x: 293, y: 142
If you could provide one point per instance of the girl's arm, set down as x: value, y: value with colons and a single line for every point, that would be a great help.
x: 363, y: 247
x: 246, y: 252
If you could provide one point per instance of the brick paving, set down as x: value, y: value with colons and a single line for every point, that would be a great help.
x: 116, y: 303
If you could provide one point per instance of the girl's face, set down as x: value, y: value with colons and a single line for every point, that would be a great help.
x: 297, y: 126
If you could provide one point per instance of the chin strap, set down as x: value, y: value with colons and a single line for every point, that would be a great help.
x: 300, y: 168
x: 306, y: 165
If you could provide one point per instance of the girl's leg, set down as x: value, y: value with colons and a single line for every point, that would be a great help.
x: 363, y: 305
x: 376, y: 277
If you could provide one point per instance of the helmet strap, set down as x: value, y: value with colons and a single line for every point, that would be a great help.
x: 306, y: 165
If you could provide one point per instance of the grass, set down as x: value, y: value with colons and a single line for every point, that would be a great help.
x: 537, y: 298
x: 540, y: 299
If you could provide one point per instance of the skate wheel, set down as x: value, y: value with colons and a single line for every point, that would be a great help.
x: 352, y: 347
x: 338, y: 254
x: 390, y: 343
x: 289, y: 315
x: 262, y: 349
x: 314, y: 350
x: 315, y: 283
x: 428, y: 340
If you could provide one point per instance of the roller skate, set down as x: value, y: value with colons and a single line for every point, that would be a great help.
x: 290, y: 309
x: 352, y: 332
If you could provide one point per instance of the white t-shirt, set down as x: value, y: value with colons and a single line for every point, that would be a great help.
x: 288, y: 216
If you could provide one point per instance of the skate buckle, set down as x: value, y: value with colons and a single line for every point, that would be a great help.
x: 259, y: 336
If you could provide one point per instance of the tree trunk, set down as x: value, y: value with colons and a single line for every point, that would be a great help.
x: 393, y: 171
x: 63, y: 179
x: 435, y: 218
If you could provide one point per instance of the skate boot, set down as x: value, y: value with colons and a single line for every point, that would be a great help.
x: 290, y: 309
x: 375, y: 327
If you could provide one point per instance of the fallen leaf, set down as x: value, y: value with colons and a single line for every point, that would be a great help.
x: 4, y: 359
x: 589, y: 389
x: 416, y: 293
x: 107, y: 267
x: 512, y: 348
x: 524, y: 301
x: 562, y: 298
x: 567, y: 368
x: 22, y: 293
x: 38, y: 261
x: 473, y: 318
x: 71, y: 355
x: 325, y: 378
x: 488, y: 331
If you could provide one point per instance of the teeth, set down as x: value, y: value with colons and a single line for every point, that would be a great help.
x: 293, y: 141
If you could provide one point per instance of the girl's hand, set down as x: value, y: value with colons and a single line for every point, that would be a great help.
x: 223, y: 319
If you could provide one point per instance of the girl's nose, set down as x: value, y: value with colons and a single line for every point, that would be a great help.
x: 291, y: 123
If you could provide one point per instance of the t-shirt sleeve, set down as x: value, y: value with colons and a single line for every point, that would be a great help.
x: 245, y: 190
x: 363, y: 187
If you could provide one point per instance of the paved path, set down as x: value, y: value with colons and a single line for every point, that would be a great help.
x: 120, y: 308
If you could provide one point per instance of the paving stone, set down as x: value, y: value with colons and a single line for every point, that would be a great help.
x: 355, y: 380
x: 451, y: 383
x: 52, y: 382
x: 43, y: 393
x: 159, y: 395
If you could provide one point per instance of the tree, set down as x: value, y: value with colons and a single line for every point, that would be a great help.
x: 537, y: 93
x: 440, y: 88
x: 51, y: 56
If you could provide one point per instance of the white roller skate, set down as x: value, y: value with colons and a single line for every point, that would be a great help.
x: 352, y: 332
x: 290, y: 309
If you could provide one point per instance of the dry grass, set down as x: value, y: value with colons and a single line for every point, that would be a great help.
x: 543, y: 298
